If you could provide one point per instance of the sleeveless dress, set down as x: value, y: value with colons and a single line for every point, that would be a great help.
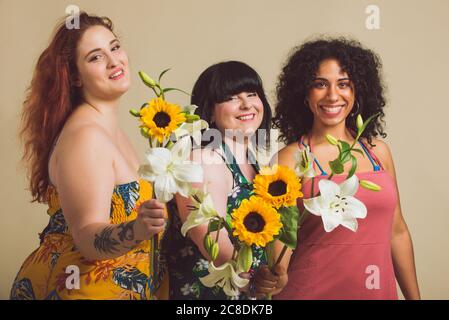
x: 45, y: 272
x: 185, y: 262
x: 343, y: 264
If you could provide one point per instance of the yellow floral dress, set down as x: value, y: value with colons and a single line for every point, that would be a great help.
x: 57, y: 270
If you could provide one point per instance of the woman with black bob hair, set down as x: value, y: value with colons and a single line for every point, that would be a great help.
x: 221, y: 81
x: 323, y: 86
x: 230, y: 97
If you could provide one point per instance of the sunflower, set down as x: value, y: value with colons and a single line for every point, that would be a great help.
x: 161, y: 118
x: 278, y: 186
x: 256, y: 222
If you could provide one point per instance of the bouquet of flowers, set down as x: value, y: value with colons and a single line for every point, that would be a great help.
x: 270, y: 214
x: 336, y: 203
x: 168, y: 164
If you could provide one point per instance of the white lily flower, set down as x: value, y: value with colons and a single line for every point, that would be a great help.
x: 171, y: 171
x: 304, y: 163
x: 203, y: 214
x: 337, y: 204
x: 192, y: 129
x: 226, y: 277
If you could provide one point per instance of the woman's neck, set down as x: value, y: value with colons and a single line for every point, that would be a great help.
x: 238, y: 147
x: 340, y: 132
x: 106, y: 112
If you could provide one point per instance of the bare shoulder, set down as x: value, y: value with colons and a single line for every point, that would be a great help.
x: 382, y: 151
x: 286, y: 155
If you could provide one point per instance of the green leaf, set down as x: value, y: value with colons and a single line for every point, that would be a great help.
x: 345, y: 152
x: 336, y: 166
x: 162, y: 73
x: 214, y: 225
x: 353, y: 167
x: 289, y: 231
x: 144, y: 105
x: 359, y: 151
x: 175, y: 89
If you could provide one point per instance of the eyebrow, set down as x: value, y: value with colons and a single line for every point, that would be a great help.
x: 98, y: 49
x: 324, y: 79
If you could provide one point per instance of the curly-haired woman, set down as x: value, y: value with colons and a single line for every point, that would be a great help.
x: 324, y: 85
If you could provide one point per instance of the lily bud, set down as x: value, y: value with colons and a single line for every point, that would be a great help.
x: 135, y: 113
x: 214, y: 251
x: 245, y: 258
x: 145, y: 132
x: 146, y: 79
x: 359, y: 122
x: 332, y: 140
x: 370, y: 185
x: 208, y: 242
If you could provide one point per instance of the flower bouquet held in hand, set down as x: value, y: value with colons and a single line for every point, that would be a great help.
x: 168, y: 166
x: 255, y: 223
x: 336, y: 203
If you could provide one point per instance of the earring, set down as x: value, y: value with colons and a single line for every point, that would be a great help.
x: 354, y: 113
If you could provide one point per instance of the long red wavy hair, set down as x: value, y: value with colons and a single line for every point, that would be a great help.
x: 50, y: 99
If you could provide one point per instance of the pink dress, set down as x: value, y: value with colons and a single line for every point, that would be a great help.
x: 343, y: 264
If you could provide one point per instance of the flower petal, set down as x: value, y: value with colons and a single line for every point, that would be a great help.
x: 328, y: 190
x: 181, y: 150
x: 145, y: 171
x: 350, y: 186
x: 188, y: 172
x: 330, y: 220
x: 356, y: 208
x: 313, y: 205
x: 158, y: 159
x: 349, y: 222
x: 164, y: 188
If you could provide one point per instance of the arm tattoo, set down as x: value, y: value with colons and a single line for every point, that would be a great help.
x: 126, y: 231
x: 104, y: 242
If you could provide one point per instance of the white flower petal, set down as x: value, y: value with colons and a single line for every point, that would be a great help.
x: 330, y: 220
x: 146, y: 172
x: 188, y: 172
x: 356, y: 208
x: 164, y: 188
x: 349, y: 222
x: 158, y: 159
x: 313, y: 205
x: 350, y: 186
x: 181, y: 150
x: 328, y: 190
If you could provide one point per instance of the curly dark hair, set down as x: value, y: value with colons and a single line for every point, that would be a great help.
x: 294, y: 118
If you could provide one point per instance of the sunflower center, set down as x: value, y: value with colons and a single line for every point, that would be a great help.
x: 161, y: 119
x: 254, y: 222
x: 277, y: 188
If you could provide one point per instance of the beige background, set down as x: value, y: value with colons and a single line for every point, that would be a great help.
x: 190, y: 35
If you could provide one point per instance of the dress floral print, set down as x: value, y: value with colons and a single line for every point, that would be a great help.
x: 43, y: 275
x: 185, y: 261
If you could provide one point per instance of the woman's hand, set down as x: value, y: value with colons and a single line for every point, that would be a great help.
x: 270, y: 282
x: 150, y: 220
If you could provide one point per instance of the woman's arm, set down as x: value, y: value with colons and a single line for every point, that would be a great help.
x: 401, y: 242
x: 218, y: 185
x: 85, y: 179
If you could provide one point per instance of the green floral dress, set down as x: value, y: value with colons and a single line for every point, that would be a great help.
x: 185, y: 262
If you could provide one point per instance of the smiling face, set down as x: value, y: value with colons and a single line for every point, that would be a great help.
x: 102, y: 65
x: 242, y: 112
x: 331, y: 97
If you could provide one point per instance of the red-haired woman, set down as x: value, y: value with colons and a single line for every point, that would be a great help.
x: 82, y: 165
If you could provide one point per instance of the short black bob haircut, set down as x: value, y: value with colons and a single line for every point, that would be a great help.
x: 222, y: 80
